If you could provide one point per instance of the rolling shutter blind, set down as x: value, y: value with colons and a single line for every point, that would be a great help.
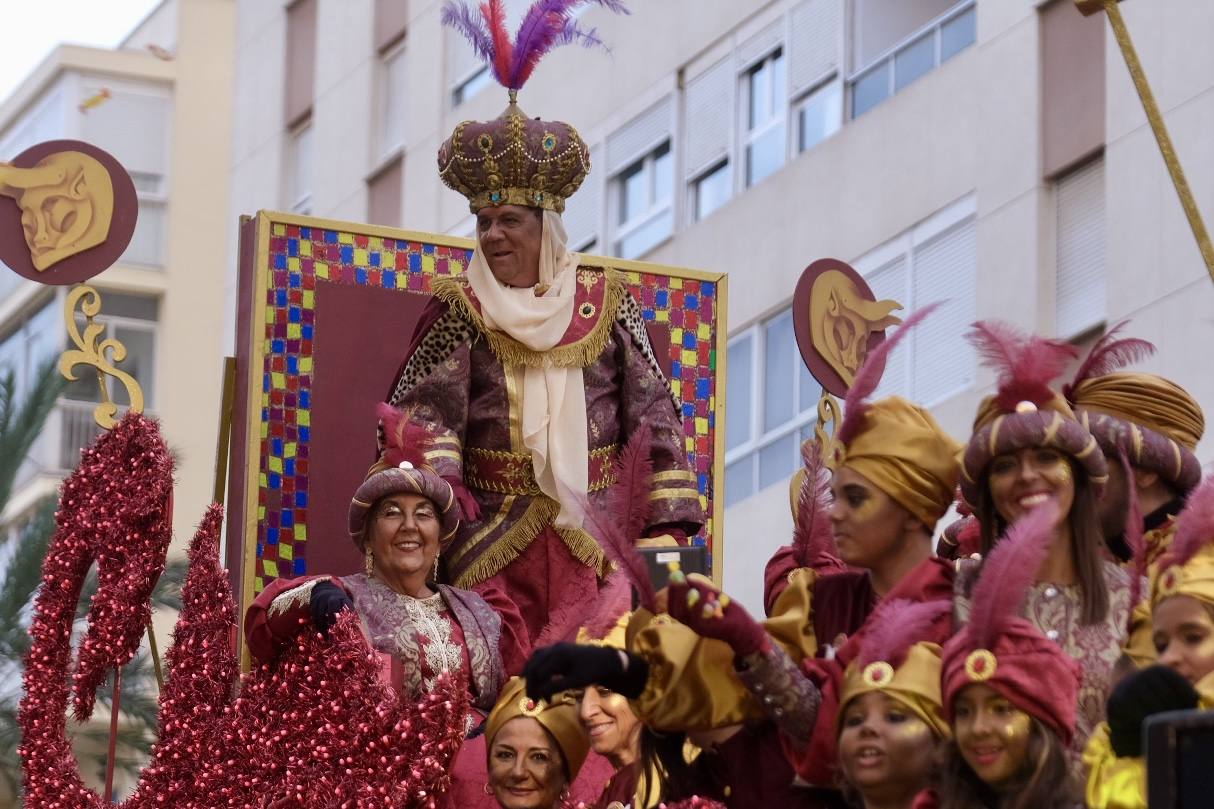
x: 945, y: 271
x: 584, y: 209
x: 1080, y: 281
x: 709, y: 100
x: 888, y: 282
x: 813, y: 47
x: 639, y: 136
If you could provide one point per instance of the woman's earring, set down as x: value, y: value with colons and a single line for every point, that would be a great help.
x: 488, y: 789
x: 434, y: 572
x: 368, y: 562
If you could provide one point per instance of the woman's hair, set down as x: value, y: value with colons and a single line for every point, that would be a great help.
x: 665, y: 775
x: 1087, y: 542
x: 1043, y: 782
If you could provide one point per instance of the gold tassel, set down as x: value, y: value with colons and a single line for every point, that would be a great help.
x: 579, y: 354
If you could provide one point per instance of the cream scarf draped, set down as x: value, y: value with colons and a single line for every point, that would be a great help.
x: 553, y: 398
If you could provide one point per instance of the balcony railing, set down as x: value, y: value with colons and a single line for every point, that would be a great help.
x: 920, y: 53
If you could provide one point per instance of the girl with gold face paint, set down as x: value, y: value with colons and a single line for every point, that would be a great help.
x: 885, y: 751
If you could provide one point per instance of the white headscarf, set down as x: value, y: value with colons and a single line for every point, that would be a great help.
x: 553, y: 399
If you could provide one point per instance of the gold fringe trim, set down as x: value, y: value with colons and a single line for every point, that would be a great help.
x: 539, y: 514
x: 579, y: 354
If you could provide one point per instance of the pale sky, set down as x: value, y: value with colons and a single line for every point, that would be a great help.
x: 33, y: 28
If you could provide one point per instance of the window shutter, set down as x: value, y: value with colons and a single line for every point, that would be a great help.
x: 132, y: 127
x: 638, y: 137
x: 888, y: 282
x: 301, y: 60
x: 759, y: 46
x: 813, y: 43
x: 1080, y: 282
x: 584, y: 209
x: 945, y: 272
x: 709, y: 100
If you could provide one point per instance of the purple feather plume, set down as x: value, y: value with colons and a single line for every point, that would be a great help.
x: 1008, y: 570
x: 896, y: 626
x: 1109, y: 354
x: 1194, y: 525
x: 471, y: 25
x: 855, y: 404
x: 1133, y: 534
x: 541, y: 25
x: 812, y: 541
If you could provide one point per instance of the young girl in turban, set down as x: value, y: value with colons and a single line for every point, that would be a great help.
x: 1009, y: 692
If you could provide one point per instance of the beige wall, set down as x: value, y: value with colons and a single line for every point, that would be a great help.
x: 971, y: 127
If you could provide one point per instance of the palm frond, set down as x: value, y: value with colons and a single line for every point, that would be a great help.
x: 21, y: 423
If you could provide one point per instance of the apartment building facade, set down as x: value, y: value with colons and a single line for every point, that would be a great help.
x: 160, y: 103
x: 990, y: 154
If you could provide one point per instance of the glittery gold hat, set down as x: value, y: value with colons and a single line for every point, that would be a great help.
x: 1188, y: 567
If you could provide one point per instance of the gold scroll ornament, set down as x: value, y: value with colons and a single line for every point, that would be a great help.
x: 66, y: 202
x: 100, y: 354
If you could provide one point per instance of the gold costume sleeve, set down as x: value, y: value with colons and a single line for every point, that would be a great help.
x: 1139, y: 646
x: 692, y: 682
x: 1113, y: 783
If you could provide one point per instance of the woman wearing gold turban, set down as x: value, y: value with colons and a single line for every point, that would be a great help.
x: 535, y: 747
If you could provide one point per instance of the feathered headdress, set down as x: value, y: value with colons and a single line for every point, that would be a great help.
x: 405, y: 439
x: 1025, y: 363
x: 1109, y: 354
x: 812, y: 541
x: 1008, y: 571
x: 546, y: 25
x: 897, y: 625
x: 868, y: 377
x: 1194, y: 525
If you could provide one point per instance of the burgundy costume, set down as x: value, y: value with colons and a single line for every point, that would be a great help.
x: 466, y: 380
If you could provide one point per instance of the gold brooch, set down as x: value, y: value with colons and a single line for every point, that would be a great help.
x: 877, y: 674
x: 587, y: 309
x: 530, y: 707
x: 1170, y: 581
x: 980, y: 665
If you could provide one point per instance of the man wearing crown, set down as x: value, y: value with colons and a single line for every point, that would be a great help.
x: 536, y: 371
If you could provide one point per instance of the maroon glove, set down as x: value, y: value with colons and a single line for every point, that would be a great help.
x: 711, y: 614
x: 469, y: 510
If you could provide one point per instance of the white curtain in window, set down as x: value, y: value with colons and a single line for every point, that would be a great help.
x: 584, y: 210
x: 639, y: 136
x: 133, y: 127
x: 709, y: 100
x: 945, y: 271
x: 1080, y: 283
x: 813, y: 42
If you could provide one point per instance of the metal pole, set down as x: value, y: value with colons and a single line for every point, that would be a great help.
x: 1161, y: 134
x: 109, y: 763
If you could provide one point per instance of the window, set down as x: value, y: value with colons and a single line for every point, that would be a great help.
x: 299, y: 170
x: 918, y: 52
x: 584, y: 210
x: 30, y: 341
x: 470, y: 85
x: 819, y: 115
x: 645, y: 211
x: 147, y: 243
x: 390, y: 129
x: 771, y: 406
x: 934, y: 262
x: 1080, y: 283
x: 713, y: 189
x: 766, y: 90
x: 130, y: 319
x: 384, y: 195
x: 301, y: 61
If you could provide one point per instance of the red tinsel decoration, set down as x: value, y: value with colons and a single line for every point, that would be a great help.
x: 317, y: 728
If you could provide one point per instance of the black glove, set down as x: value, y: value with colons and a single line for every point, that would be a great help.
x: 569, y: 665
x: 327, y: 600
x: 1144, y: 693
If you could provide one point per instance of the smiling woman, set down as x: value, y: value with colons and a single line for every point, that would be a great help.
x: 400, y: 518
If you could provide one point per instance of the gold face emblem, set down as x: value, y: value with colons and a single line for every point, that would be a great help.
x: 841, y: 318
x: 66, y: 201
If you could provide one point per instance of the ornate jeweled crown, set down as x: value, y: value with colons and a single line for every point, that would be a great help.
x: 513, y: 159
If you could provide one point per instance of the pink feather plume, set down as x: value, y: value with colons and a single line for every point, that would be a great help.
x: 1110, y: 354
x: 897, y: 625
x: 868, y: 377
x: 812, y: 541
x: 1133, y: 533
x: 618, y: 526
x: 494, y: 12
x: 1008, y: 570
x: 404, y: 438
x: 1195, y: 524
x: 1026, y: 363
